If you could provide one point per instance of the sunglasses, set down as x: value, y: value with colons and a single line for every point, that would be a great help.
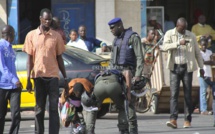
x: 112, y: 26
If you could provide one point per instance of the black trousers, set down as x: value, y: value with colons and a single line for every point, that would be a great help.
x: 180, y: 74
x: 44, y: 87
x: 13, y: 96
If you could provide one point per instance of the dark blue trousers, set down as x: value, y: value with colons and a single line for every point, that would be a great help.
x: 13, y: 96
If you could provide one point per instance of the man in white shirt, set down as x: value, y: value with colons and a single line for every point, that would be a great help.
x: 75, y: 41
x: 207, y: 57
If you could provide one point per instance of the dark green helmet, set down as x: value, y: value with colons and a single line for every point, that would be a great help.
x: 138, y: 85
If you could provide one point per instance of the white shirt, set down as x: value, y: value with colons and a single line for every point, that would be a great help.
x: 78, y: 43
x: 207, y: 68
x: 180, y: 54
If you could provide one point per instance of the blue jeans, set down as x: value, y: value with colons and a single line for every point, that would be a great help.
x: 214, y: 109
x: 13, y: 96
x: 212, y: 84
x: 202, y: 95
x: 44, y: 87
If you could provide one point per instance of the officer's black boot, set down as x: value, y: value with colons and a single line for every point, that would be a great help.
x: 124, y: 132
x: 90, y: 132
x: 133, y: 131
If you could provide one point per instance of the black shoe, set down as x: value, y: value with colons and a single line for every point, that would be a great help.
x: 133, y: 131
x: 124, y: 132
x: 90, y: 132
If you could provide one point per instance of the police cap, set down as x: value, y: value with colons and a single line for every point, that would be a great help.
x: 114, y: 21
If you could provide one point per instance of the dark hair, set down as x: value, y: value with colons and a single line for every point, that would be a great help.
x: 203, y: 38
x: 7, y: 30
x: 78, y: 87
x: 166, y: 16
x: 82, y: 26
x: 45, y: 10
x: 181, y: 20
x: 73, y: 30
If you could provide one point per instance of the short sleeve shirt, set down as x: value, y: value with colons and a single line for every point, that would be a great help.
x: 207, y: 68
x: 148, y: 51
x: 44, y: 48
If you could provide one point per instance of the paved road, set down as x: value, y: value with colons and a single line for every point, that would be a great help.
x: 148, y: 124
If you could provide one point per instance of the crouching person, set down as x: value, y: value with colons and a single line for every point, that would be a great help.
x: 76, y: 88
x: 107, y: 85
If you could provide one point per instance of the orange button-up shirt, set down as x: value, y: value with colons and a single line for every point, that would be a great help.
x: 44, y: 48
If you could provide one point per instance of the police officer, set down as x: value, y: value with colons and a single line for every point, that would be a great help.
x: 127, y: 56
x: 106, y: 86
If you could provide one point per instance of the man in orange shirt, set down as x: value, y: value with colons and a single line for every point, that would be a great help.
x: 44, y: 48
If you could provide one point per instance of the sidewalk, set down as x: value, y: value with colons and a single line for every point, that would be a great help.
x: 148, y: 123
x: 26, y: 115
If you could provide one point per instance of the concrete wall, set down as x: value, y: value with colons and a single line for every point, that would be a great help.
x: 129, y: 11
x: 105, y: 11
x: 3, y: 13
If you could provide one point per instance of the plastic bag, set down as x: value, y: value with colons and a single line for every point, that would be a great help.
x: 67, y: 113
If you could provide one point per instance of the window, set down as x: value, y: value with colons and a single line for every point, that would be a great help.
x: 21, y: 60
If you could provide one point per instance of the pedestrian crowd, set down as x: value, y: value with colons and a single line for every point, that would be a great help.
x: 131, y: 59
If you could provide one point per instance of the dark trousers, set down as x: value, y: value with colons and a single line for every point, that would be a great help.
x: 44, y: 87
x: 180, y: 74
x: 108, y: 86
x: 212, y: 84
x: 13, y: 96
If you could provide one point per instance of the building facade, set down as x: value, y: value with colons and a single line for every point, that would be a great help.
x: 94, y: 14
